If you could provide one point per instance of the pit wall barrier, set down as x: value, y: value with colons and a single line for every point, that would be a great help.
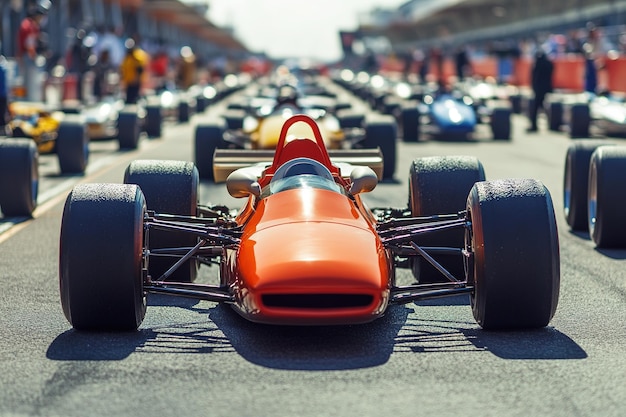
x: 569, y: 71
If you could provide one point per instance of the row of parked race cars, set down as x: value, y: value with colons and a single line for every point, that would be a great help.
x: 432, y: 110
x: 38, y: 128
x: 595, y: 167
x: 304, y: 248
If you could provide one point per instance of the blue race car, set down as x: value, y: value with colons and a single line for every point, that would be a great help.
x: 452, y: 115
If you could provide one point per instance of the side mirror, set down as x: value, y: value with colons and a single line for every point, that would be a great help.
x: 242, y: 183
x: 363, y: 180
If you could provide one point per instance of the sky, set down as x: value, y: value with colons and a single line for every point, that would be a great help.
x: 293, y: 28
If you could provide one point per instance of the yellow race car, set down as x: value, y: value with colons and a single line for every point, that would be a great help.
x: 53, y: 132
x: 247, y: 133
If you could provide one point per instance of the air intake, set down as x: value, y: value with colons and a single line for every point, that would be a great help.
x: 316, y: 301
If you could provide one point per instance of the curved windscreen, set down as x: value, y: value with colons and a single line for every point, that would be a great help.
x: 301, y: 181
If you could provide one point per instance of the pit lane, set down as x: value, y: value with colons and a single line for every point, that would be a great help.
x: 197, y: 358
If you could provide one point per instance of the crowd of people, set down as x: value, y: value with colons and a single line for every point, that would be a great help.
x: 101, y: 61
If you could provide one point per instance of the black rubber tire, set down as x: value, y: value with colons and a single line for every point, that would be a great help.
x: 381, y: 131
x: 101, y: 257
x: 516, y: 103
x: 19, y: 177
x: 184, y: 111
x: 128, y: 130
x: 607, y: 176
x: 170, y: 187
x: 580, y: 119
x: 342, y: 105
x: 208, y: 138
x: 154, y: 121
x: 576, y: 182
x: 349, y: 119
x: 202, y: 103
x: 410, y: 121
x: 391, y: 105
x: 516, y: 267
x: 234, y: 119
x: 72, y: 147
x: 555, y: 116
x: 440, y: 185
x: 501, y: 123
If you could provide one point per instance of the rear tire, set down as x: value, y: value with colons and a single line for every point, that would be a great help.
x: 514, y: 239
x: 381, y: 132
x: 349, y: 119
x: 556, y: 116
x: 128, y: 130
x: 208, y: 138
x: 607, y: 176
x: 72, y: 146
x: 154, y: 121
x: 19, y: 177
x: 234, y: 119
x: 410, y: 120
x: 501, y: 124
x: 580, y: 120
x: 184, y: 111
x: 100, y: 263
x: 576, y: 182
x: 440, y: 185
x: 169, y: 187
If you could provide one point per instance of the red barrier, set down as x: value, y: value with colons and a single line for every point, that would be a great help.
x: 616, y: 74
x: 569, y: 71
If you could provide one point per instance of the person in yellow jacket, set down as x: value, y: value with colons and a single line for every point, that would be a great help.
x: 132, y: 70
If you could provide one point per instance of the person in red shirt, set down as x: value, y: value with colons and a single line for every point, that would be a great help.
x: 27, y: 41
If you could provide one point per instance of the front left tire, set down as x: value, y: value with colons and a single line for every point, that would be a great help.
x: 101, y: 257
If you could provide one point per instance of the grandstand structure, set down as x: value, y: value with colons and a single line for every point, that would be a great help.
x: 429, y: 22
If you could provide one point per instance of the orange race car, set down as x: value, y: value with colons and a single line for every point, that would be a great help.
x: 303, y: 249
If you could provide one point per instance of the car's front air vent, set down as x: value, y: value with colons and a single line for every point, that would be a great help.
x: 316, y: 301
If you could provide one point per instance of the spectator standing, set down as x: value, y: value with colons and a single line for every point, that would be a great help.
x: 28, y: 37
x: 77, y: 61
x: 423, y: 60
x: 111, y: 41
x: 462, y: 63
x: 132, y: 70
x: 186, y: 74
x: 594, y: 49
x: 102, y: 69
x: 159, y: 69
x: 541, y: 79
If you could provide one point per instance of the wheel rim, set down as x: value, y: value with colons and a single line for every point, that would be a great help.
x: 593, y: 199
x: 85, y: 151
x: 567, y: 187
x: 34, y: 182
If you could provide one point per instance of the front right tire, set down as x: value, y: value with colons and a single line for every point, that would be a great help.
x: 514, y: 241
x: 19, y: 176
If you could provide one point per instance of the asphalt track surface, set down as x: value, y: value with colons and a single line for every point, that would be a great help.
x: 193, y: 358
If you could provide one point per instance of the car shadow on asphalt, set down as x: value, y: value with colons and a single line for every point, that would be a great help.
x: 311, y: 348
x: 277, y: 347
x: 616, y: 253
x: 541, y: 344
